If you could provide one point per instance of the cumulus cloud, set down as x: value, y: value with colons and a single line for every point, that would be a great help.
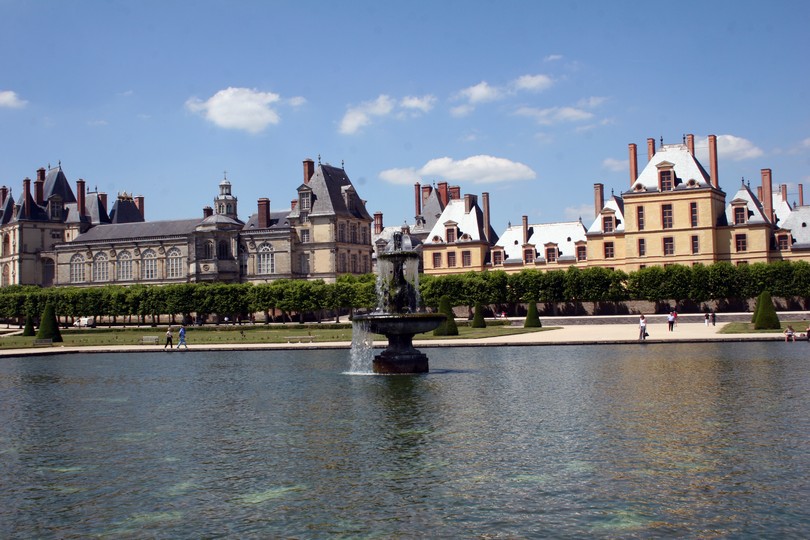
x: 728, y: 147
x: 415, y: 103
x: 362, y: 115
x: 533, y: 83
x: 9, y: 99
x: 481, y: 169
x: 238, y: 108
x: 555, y: 115
x: 553, y: 57
x: 484, y: 92
x: 480, y: 93
x: 616, y: 165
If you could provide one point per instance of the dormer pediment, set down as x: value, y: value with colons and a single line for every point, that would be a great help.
x: 665, y: 165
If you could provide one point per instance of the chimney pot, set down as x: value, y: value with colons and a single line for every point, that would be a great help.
x: 767, y: 194
x: 27, y: 197
x: 801, y: 194
x: 485, y: 209
x: 309, y: 170
x: 713, y: 161
x: 80, y: 197
x: 443, y: 193
x: 690, y: 144
x: 783, y: 192
x: 264, y: 213
x: 417, y: 199
x: 650, y: 149
x: 633, y: 163
x: 525, y: 230
x: 598, y: 198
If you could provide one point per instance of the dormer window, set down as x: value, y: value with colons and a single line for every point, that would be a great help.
x: 497, y: 258
x: 607, y: 224
x: 783, y: 242
x: 666, y: 180
x: 450, y: 234
x: 528, y: 256
x: 551, y: 254
x: 740, y: 215
x: 306, y: 201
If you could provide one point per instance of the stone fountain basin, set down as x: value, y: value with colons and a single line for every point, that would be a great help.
x: 391, y: 324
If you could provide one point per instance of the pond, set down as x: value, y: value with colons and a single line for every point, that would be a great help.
x: 641, y: 440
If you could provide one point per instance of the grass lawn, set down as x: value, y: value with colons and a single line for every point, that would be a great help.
x: 96, y: 337
x: 748, y: 328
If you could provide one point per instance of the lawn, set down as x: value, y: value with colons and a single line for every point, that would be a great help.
x: 748, y: 328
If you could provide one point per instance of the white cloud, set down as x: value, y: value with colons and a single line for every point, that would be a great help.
x: 533, y: 83
x: 360, y: 116
x: 553, y: 57
x: 10, y: 100
x: 296, y: 101
x: 616, y: 165
x: 479, y: 169
x: 415, y: 103
x: 728, y: 147
x: 584, y: 211
x: 554, y: 115
x: 238, y: 108
x: 591, y: 102
x: 461, y: 110
x: 481, y: 93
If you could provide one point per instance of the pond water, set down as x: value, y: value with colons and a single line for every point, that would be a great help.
x: 707, y: 440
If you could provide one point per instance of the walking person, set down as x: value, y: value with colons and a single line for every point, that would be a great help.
x: 182, y: 338
x: 642, y: 328
x: 714, y: 318
x: 671, y: 320
x: 707, y: 318
x: 168, y: 339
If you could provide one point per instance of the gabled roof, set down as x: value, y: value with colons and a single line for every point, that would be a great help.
x: 7, y: 210
x: 34, y: 211
x: 744, y: 195
x: 565, y: 235
x: 431, y: 210
x: 134, y: 231
x: 57, y: 184
x: 331, y: 188
x: 615, y: 206
x: 219, y: 221
x: 798, y: 223
x: 125, y: 211
x: 684, y: 164
x: 471, y: 224
x: 96, y: 211
x: 781, y: 208
x: 278, y: 220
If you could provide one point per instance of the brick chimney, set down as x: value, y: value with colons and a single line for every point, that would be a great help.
x: 207, y: 212
x: 139, y: 204
x: 759, y: 193
x: 39, y: 190
x: 783, y: 192
x: 633, y: 163
x: 3, y: 195
x: 455, y: 193
x: 485, y: 209
x: 378, y: 222
x: 713, y: 161
x: 426, y: 191
x: 690, y: 144
x: 102, y: 200
x: 525, y: 230
x: 801, y: 195
x: 309, y: 170
x: 293, y: 204
x: 767, y: 194
x: 443, y: 193
x: 598, y: 198
x: 650, y: 149
x: 417, y: 199
x: 27, y: 197
x: 264, y: 213
x: 80, y: 198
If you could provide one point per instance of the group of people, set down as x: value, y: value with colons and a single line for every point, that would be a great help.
x: 181, y: 340
x: 672, y: 322
x: 790, y: 334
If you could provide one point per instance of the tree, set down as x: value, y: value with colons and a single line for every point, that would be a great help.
x: 532, y: 319
x: 48, y: 327
x: 478, y: 318
x: 767, y: 319
x: 448, y: 327
x: 29, y: 326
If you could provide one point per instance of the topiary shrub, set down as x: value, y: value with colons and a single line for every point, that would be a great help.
x: 532, y: 318
x: 448, y: 327
x: 767, y: 319
x: 478, y: 317
x: 28, y: 331
x: 48, y: 327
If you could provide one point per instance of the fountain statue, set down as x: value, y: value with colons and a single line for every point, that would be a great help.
x: 398, y: 316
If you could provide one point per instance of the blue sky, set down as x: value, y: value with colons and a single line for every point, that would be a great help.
x: 531, y: 101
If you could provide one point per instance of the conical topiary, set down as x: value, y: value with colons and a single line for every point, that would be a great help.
x: 767, y: 319
x: 478, y: 317
x: 448, y: 327
x: 28, y: 331
x: 48, y: 327
x: 532, y: 318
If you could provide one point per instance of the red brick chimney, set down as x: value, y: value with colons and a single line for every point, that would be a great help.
x: 417, y: 199
x: 783, y: 192
x: 207, y: 212
x: 139, y: 204
x: 426, y: 191
x: 102, y: 200
x: 633, y: 163
x: 759, y: 193
x: 39, y: 190
x: 485, y: 209
x: 309, y: 170
x: 443, y: 193
x: 378, y: 222
x: 713, y: 161
x: 469, y: 202
x: 801, y: 195
x: 525, y: 230
x: 264, y: 213
x: 3, y: 195
x: 650, y: 149
x: 27, y: 197
x: 690, y: 144
x: 80, y: 197
x: 455, y: 193
x: 767, y: 194
x: 598, y: 198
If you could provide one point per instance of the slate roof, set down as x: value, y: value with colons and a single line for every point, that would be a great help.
x: 431, y: 210
x: 133, y: 231
x: 684, y: 164
x: 35, y: 211
x: 278, y: 220
x: 565, y: 235
x: 57, y: 184
x: 7, y: 211
x: 328, y: 185
x: 755, y: 212
x: 471, y: 224
x: 798, y: 223
x: 95, y: 210
x: 125, y: 211
x: 617, y: 205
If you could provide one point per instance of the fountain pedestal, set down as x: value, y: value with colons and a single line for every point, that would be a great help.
x: 400, y: 356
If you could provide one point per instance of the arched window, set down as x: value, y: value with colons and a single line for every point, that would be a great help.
x: 208, y: 250
x: 5, y: 275
x: 223, y: 250
x: 123, y: 267
x: 174, y: 263
x: 48, y: 272
x: 149, y: 265
x: 6, y: 245
x: 267, y: 260
x: 77, y: 268
x: 100, y: 267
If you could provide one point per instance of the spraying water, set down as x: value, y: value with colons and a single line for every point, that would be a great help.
x: 362, y: 354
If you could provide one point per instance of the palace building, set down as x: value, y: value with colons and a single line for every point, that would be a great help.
x: 53, y: 237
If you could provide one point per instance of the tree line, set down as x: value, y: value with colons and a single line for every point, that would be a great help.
x: 293, y: 300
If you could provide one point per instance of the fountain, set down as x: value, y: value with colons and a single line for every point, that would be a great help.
x: 398, y: 316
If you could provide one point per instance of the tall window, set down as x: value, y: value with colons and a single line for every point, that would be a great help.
x: 740, y: 213
x: 266, y: 260
x: 666, y: 179
x: 342, y: 262
x: 466, y: 258
x: 243, y: 263
x: 101, y: 267
x: 6, y: 274
x: 77, y: 268
x: 640, y: 217
x: 6, y: 245
x: 306, y: 201
x: 607, y: 224
x: 669, y: 245
x: 451, y: 260
x: 174, y: 264
x: 123, y: 266
x: 304, y: 236
x: 497, y: 258
x: 353, y: 263
x: 353, y: 232
x: 666, y: 216
x: 451, y: 234
x: 437, y: 260
x: 693, y: 213
x: 642, y: 247
x: 208, y: 250
x: 149, y: 265
x: 582, y: 253
x: 224, y: 250
x: 304, y: 263
x: 341, y: 232
x: 609, y: 253
x: 741, y: 242
x: 783, y: 241
x: 695, y: 245
x: 551, y: 254
x: 528, y: 256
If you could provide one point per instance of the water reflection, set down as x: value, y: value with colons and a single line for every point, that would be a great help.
x: 572, y: 441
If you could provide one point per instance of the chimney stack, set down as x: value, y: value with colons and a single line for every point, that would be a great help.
x: 598, y: 198
x: 309, y: 170
x: 264, y: 213
x: 102, y: 200
x: 443, y: 193
x: 767, y: 194
x: 80, y: 198
x: 417, y: 199
x: 26, y: 197
x: 139, y: 204
x: 783, y: 192
x: 426, y: 191
x: 650, y: 149
x: 801, y: 195
x: 690, y: 144
x: 207, y: 212
x: 759, y: 193
x: 525, y: 230
x: 633, y: 163
x: 485, y: 209
x: 39, y: 190
x: 3, y: 195
x: 455, y: 193
x: 378, y: 222
x: 713, y: 161
x: 293, y: 204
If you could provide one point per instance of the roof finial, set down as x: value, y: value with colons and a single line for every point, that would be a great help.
x: 60, y: 164
x: 684, y: 138
x: 742, y: 179
x: 342, y: 164
x: 319, y: 159
x: 662, y: 140
x: 224, y: 175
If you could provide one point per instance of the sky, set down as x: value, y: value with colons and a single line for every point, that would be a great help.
x: 532, y: 101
